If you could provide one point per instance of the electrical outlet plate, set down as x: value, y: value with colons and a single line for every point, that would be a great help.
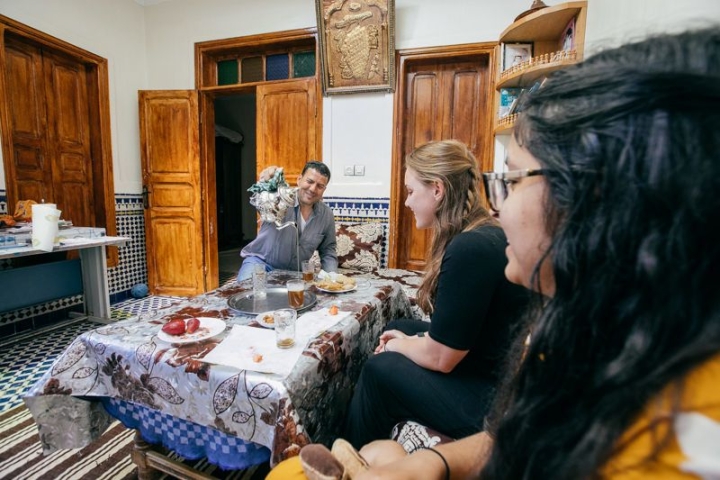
x: 359, y: 170
x: 349, y: 171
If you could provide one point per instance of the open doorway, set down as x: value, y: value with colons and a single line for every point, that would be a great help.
x: 236, y: 171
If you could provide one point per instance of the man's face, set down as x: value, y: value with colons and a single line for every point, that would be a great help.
x: 311, y: 185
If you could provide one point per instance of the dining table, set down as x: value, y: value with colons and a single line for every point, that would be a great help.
x: 206, y: 398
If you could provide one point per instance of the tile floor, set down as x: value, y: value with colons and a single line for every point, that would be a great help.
x: 25, y: 359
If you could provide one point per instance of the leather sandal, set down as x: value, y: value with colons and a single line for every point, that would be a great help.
x: 319, y: 464
x: 350, y: 459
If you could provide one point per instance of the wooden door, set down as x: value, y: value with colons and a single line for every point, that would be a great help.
x: 69, y: 138
x: 443, y: 94
x: 288, y: 126
x: 28, y: 168
x: 169, y: 136
x: 50, y: 130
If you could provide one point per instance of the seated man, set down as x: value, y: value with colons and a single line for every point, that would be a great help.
x: 280, y: 249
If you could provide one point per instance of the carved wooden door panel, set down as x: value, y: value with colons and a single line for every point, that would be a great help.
x: 444, y: 97
x: 50, y: 128
x: 69, y: 138
x: 27, y: 176
x: 288, y: 126
x: 169, y: 136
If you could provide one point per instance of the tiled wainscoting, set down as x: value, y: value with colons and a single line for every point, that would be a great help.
x: 132, y: 266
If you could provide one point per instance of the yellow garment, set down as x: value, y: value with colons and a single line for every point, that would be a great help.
x: 289, y: 469
x: 693, y: 449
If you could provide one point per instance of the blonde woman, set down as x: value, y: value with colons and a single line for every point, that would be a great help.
x: 443, y: 373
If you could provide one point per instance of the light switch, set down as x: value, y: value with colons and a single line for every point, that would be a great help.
x: 359, y: 170
x: 349, y: 171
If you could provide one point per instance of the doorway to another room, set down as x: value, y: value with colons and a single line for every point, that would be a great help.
x: 235, y: 172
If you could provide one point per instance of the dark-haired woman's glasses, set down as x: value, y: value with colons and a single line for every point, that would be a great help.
x: 499, y: 184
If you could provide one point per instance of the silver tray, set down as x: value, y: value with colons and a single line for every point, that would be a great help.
x: 277, y: 297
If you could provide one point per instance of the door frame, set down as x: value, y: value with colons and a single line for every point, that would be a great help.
x: 207, y: 54
x: 208, y: 183
x: 99, y: 111
x: 403, y: 60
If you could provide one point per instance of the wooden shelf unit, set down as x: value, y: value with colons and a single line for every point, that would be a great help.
x: 543, y: 29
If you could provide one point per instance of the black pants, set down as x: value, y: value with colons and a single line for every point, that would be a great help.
x: 393, y: 388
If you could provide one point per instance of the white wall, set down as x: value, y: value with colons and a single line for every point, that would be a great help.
x: 152, y: 48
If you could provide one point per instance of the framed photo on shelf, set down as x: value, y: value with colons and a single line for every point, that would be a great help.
x: 516, y: 53
x: 567, y: 39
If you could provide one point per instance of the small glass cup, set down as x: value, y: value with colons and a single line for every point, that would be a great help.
x: 308, y: 272
x: 259, y: 279
x: 285, y: 327
x: 296, y: 293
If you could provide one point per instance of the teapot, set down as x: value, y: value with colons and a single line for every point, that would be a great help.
x: 272, y: 199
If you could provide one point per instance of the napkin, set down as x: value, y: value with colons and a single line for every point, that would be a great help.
x: 312, y: 324
x: 45, y: 218
x: 252, y: 348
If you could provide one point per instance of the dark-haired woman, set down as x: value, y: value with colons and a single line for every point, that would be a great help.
x: 610, y: 206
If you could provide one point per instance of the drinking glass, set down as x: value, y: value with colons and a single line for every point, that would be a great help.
x: 285, y: 327
x: 296, y: 293
x: 259, y: 279
x: 308, y: 271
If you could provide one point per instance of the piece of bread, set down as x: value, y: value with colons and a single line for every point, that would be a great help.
x: 7, y: 221
x: 23, y: 210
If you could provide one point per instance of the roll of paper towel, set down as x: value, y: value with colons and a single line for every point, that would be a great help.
x: 45, y: 218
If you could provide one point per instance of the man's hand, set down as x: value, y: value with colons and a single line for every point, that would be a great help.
x: 267, y: 174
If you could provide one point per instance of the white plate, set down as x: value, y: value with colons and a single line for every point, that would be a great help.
x: 354, y: 287
x: 262, y: 322
x: 209, y: 327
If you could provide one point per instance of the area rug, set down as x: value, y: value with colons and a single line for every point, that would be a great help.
x: 108, y: 458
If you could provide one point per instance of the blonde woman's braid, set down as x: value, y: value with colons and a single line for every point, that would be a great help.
x: 471, y: 201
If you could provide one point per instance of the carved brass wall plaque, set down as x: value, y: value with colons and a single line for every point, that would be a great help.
x: 357, y: 45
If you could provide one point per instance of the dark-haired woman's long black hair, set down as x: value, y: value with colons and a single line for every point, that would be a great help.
x: 631, y: 143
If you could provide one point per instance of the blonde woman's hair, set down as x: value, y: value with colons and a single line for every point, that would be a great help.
x: 461, y: 208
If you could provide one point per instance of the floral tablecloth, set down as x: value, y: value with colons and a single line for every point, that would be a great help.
x: 126, y: 361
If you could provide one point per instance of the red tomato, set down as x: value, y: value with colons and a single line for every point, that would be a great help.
x: 174, y: 327
x: 192, y: 325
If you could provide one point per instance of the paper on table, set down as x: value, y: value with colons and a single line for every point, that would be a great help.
x: 250, y: 348
x: 312, y: 324
x: 44, y: 225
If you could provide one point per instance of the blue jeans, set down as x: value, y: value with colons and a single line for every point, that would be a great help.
x: 247, y: 267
